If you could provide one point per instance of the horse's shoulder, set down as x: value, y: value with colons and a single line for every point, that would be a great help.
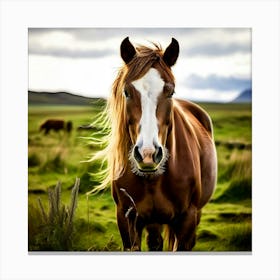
x: 200, y: 114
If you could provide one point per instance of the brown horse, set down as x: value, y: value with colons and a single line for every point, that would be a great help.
x: 56, y: 125
x: 161, y: 154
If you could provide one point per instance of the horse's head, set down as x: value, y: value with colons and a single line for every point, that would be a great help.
x: 148, y: 89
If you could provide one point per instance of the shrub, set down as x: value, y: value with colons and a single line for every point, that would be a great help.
x: 53, y: 229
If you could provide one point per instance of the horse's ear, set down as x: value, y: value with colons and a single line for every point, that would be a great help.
x: 171, y: 53
x: 127, y: 50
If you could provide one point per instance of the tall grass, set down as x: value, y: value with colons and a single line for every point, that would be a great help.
x: 237, y: 237
x: 52, y: 230
x: 236, y: 172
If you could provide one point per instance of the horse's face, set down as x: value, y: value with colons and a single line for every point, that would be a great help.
x: 148, y: 111
x: 148, y: 105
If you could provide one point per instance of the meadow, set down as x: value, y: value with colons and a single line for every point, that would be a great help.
x: 226, y: 223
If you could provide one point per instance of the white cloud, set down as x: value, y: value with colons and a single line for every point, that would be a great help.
x: 89, y: 77
x: 84, y: 61
x: 207, y: 95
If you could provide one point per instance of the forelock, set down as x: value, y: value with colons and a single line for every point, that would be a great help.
x: 145, y: 59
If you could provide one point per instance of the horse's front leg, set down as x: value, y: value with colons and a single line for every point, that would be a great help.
x: 154, y: 238
x: 130, y: 229
x: 184, y: 228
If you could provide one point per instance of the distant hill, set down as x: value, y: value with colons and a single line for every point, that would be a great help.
x: 58, y: 98
x: 244, y: 97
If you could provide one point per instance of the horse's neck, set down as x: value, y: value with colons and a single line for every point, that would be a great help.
x: 182, y: 140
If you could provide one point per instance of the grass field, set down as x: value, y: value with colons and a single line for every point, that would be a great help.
x: 226, y: 221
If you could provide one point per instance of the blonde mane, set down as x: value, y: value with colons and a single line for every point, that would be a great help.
x: 117, y: 143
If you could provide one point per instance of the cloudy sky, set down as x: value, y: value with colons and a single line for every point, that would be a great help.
x: 214, y: 64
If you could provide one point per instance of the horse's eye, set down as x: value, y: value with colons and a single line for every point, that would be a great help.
x: 170, y: 94
x: 126, y: 93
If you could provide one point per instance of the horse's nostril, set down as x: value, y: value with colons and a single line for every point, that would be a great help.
x: 137, y: 154
x: 157, y: 157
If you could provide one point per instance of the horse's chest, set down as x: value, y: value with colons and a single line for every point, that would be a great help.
x: 157, y: 201
x: 156, y: 207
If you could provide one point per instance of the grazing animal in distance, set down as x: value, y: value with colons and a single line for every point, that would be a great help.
x: 56, y: 125
x: 161, y: 154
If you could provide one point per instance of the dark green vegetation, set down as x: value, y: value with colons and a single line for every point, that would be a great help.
x: 226, y: 221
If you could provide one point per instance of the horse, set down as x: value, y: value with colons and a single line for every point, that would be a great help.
x: 56, y: 125
x: 161, y: 154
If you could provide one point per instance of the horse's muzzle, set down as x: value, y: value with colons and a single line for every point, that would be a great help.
x: 149, y: 159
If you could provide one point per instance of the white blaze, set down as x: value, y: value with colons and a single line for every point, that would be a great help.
x: 149, y: 86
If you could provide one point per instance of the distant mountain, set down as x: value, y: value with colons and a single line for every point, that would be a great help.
x: 244, y: 97
x: 58, y: 98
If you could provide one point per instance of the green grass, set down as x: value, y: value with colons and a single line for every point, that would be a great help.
x: 226, y: 220
x: 232, y: 122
